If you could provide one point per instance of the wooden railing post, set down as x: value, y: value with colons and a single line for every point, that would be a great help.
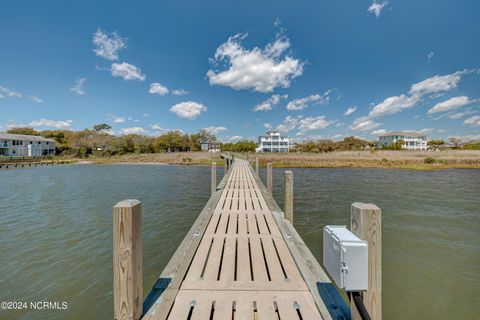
x: 257, y: 166
x: 225, y: 165
x: 127, y: 260
x: 269, y: 178
x: 288, y: 210
x: 214, y: 177
x: 366, y: 223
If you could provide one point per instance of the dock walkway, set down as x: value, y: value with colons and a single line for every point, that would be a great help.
x: 243, y: 268
x: 241, y: 259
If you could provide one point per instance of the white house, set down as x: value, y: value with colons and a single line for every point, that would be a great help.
x: 272, y: 141
x: 210, y: 146
x: 412, y: 140
x: 25, y: 146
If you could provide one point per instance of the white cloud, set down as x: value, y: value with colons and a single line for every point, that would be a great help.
x: 437, y: 83
x: 234, y: 138
x: 288, y: 124
x: 36, y: 99
x: 158, y: 88
x: 267, y: 125
x: 117, y: 119
x: 376, y: 8
x: 364, y: 124
x: 312, y: 123
x: 51, y: 124
x: 188, y: 109
x: 350, y: 110
x: 179, y: 92
x: 430, y: 56
x: 9, y: 93
x: 378, y: 132
x: 215, y: 130
x: 262, y: 70
x: 268, y: 104
x: 302, y: 103
x: 132, y: 130
x: 473, y: 121
x: 127, y: 71
x: 78, y: 87
x: 393, y: 105
x: 458, y: 115
x: 450, y: 104
x: 107, y: 45
x: 157, y: 127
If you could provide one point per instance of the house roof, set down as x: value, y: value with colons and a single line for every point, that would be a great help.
x: 407, y: 134
x: 9, y: 136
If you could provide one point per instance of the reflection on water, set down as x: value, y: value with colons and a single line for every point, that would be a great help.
x: 56, y: 237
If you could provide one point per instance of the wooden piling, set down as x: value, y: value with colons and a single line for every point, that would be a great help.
x: 214, y: 177
x: 257, y: 166
x: 127, y: 260
x: 269, y: 178
x: 366, y: 223
x: 288, y: 210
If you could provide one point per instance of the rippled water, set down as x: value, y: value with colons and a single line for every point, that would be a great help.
x: 56, y: 241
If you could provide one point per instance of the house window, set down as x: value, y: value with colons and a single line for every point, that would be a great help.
x: 31, y: 142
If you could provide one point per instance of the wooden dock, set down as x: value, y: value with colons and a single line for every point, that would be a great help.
x: 240, y: 260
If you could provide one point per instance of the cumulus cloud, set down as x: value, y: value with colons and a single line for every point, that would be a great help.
x: 215, y: 130
x: 437, y: 83
x: 364, y: 124
x: 394, y: 104
x: 36, y: 99
x: 267, y: 125
x: 179, y: 92
x: 78, y: 87
x: 376, y: 7
x: 127, y: 71
x: 188, y: 109
x: 9, y: 93
x: 51, y: 124
x: 302, y: 103
x: 350, y: 110
x: 107, y: 44
x: 460, y: 114
x: 235, y: 138
x: 117, y: 119
x: 430, y: 56
x: 473, y: 121
x: 288, y: 124
x: 132, y: 130
x: 158, y: 88
x: 268, y: 104
x: 258, y: 69
x: 450, y: 104
x: 312, y: 123
x: 378, y: 132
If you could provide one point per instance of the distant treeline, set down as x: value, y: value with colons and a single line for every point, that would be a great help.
x: 98, y: 141
x: 347, y: 144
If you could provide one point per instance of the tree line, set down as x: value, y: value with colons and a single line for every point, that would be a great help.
x: 100, y: 142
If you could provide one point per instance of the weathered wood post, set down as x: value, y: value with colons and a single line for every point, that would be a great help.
x: 269, y: 178
x: 366, y: 223
x: 257, y: 166
x: 225, y: 165
x: 288, y: 210
x: 127, y: 260
x: 214, y: 177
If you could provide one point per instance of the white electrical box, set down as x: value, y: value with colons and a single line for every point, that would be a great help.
x: 345, y: 256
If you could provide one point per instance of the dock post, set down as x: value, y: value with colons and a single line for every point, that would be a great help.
x: 214, y: 177
x: 225, y: 165
x: 257, y: 166
x: 288, y: 210
x: 366, y: 223
x: 127, y: 260
x: 269, y: 178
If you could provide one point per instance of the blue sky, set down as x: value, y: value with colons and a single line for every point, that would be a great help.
x: 312, y: 69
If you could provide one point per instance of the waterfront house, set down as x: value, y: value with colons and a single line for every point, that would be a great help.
x: 411, y: 140
x: 25, y: 145
x: 272, y: 141
x: 210, y: 146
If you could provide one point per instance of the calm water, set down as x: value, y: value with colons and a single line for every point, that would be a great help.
x: 56, y: 242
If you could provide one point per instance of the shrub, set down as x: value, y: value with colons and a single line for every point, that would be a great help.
x: 429, y: 160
